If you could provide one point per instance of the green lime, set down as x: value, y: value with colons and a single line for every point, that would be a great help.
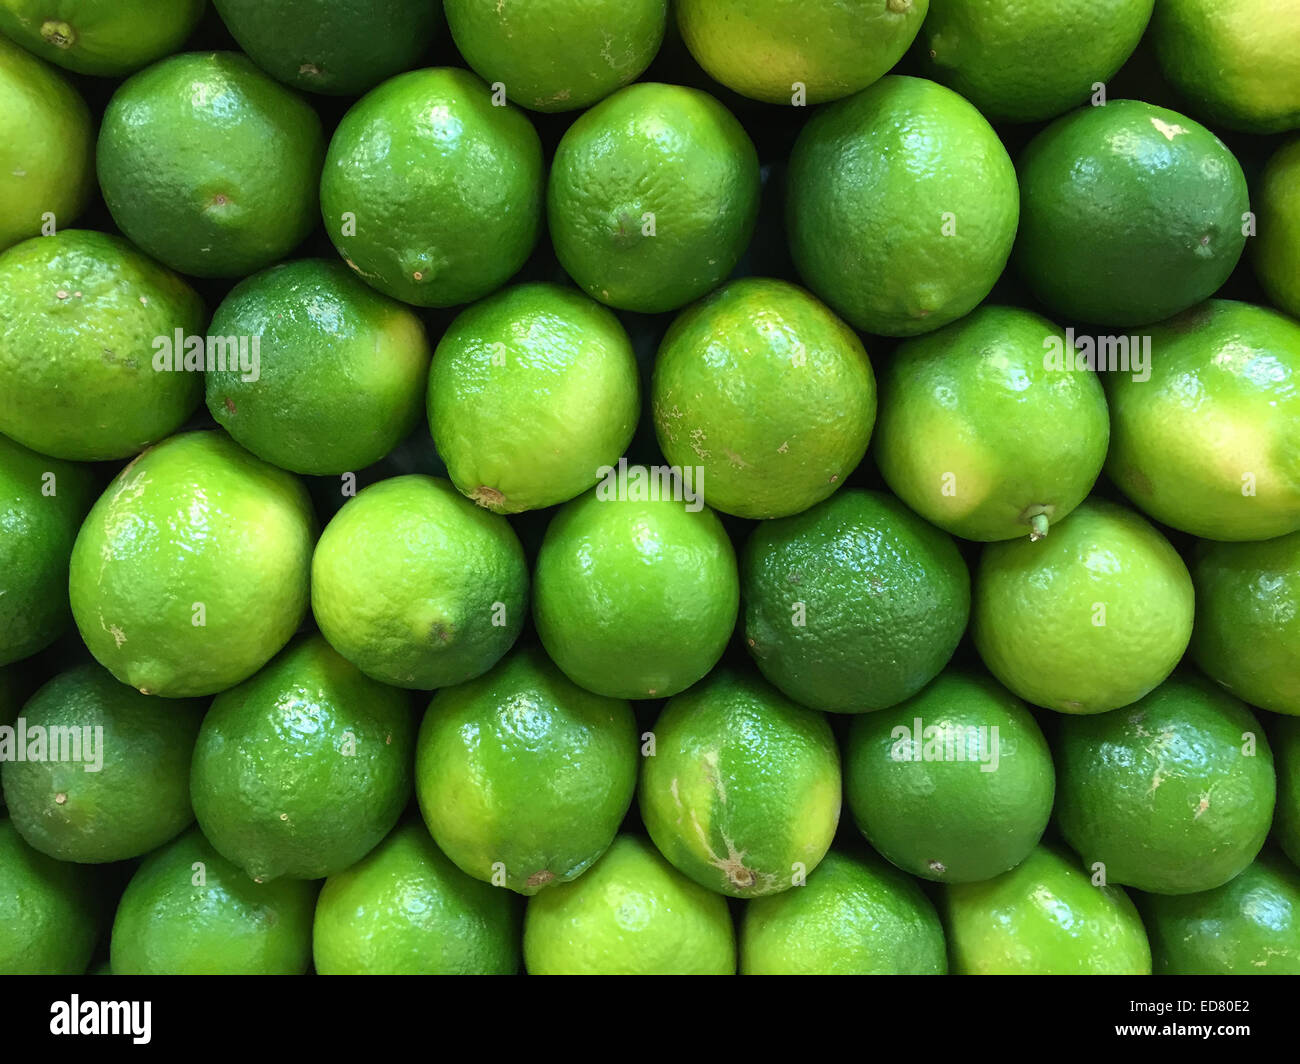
x: 338, y: 47
x: 1129, y: 213
x: 431, y: 193
x: 1248, y: 926
x: 631, y: 914
x: 189, y: 911
x: 1286, y: 751
x: 404, y: 909
x: 855, y: 916
x: 112, y: 779
x: 557, y: 368
x: 853, y: 605
x: 42, y: 503
x: 85, y: 320
x: 340, y: 371
x: 106, y: 37
x: 636, y: 592
x: 302, y: 769
x: 1247, y: 631
x: 47, y: 144
x: 48, y: 912
x: 785, y: 51
x: 1238, y: 63
x: 523, y: 777
x: 1173, y: 794
x: 981, y: 435
x: 652, y: 197
x: 767, y: 394
x: 743, y: 790
x: 557, y: 55
x: 955, y: 784
x: 209, y: 165
x: 1090, y: 618
x: 1277, y: 247
x: 1032, y: 59
x: 1044, y: 917
x: 192, y: 570
x: 901, y: 206
x: 417, y: 586
x: 1208, y: 444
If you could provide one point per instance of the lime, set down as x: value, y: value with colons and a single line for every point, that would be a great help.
x: 209, y: 165
x: 417, y: 586
x: 557, y: 55
x: 1044, y: 917
x: 1209, y: 445
x: 653, y: 196
x: 635, y: 595
x: 1129, y: 213
x: 1277, y: 247
x: 1032, y: 59
x: 901, y: 206
x: 1090, y: 618
x: 557, y: 368
x: 430, y: 193
x: 1173, y: 794
x: 1247, y: 631
x: 42, y: 502
x: 767, y: 394
x: 1286, y: 749
x: 632, y: 914
x: 743, y: 791
x: 106, y: 37
x: 524, y: 777
x: 855, y: 916
x: 786, y: 51
x: 955, y: 784
x: 340, y: 374
x: 113, y: 778
x: 339, y: 47
x: 46, y: 146
x: 48, y: 912
x: 302, y: 769
x: 189, y: 911
x: 981, y: 435
x: 853, y: 605
x: 1238, y: 63
x: 192, y: 570
x: 1248, y: 926
x: 404, y: 909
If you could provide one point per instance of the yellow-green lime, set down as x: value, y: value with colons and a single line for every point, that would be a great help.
x: 856, y: 915
x: 1043, y: 917
x: 404, y: 909
x: 557, y: 55
x: 192, y: 569
x: 631, y: 914
x: 981, y: 435
x: 209, y: 165
x: 853, y: 605
x: 555, y: 366
x: 340, y: 372
x: 49, y: 916
x: 1090, y: 618
x: 109, y: 776
x: 431, y: 193
x: 766, y: 394
x: 417, y: 586
x: 523, y: 777
x: 785, y: 51
x: 955, y: 784
x: 635, y: 596
x: 82, y: 315
x: 1277, y: 245
x: 652, y: 197
x: 1286, y: 751
x: 742, y: 792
